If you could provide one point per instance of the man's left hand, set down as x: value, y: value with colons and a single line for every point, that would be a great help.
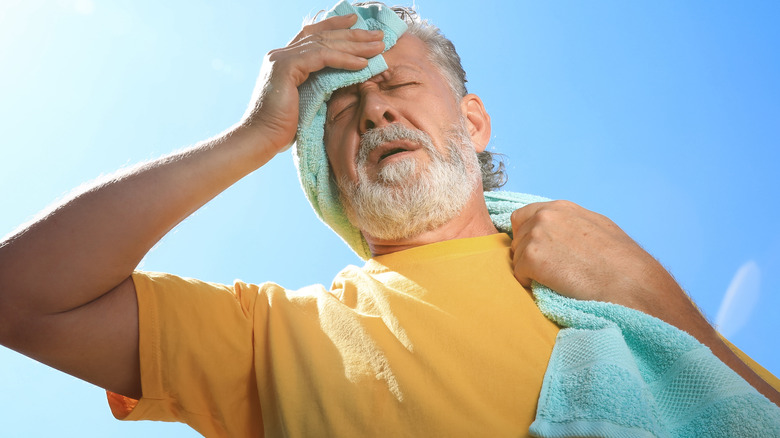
x: 584, y: 255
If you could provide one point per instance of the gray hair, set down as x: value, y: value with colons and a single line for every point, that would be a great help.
x: 442, y: 53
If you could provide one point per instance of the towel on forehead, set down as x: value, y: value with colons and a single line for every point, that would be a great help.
x: 309, y: 152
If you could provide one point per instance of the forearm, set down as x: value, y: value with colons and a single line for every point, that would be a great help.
x: 66, y: 298
x: 90, y: 243
x: 584, y: 255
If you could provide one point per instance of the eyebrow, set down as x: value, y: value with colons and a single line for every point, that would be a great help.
x: 391, y: 71
x: 410, y: 67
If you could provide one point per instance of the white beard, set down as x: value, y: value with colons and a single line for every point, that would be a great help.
x: 405, y: 202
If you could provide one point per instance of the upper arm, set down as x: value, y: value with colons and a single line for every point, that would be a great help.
x: 96, y: 342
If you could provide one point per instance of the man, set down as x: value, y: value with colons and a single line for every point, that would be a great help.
x: 402, y: 350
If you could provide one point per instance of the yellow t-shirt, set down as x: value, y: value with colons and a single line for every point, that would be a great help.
x: 439, y: 340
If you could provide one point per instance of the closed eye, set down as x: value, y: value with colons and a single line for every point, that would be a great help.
x: 344, y: 111
x: 396, y: 86
x: 339, y: 106
x: 353, y: 102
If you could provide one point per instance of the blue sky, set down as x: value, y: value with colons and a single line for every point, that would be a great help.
x: 664, y: 116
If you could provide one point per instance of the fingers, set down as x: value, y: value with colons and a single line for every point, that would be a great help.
x: 525, y: 254
x: 329, y: 43
x: 335, y: 28
x: 332, y: 23
x: 575, y: 251
x: 313, y: 55
x: 335, y: 33
x: 520, y: 273
x: 533, y: 227
x: 521, y: 219
x: 346, y: 37
x: 349, y: 44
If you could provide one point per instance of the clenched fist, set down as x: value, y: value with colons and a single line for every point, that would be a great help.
x: 584, y: 255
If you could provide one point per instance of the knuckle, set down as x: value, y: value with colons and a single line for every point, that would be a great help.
x: 515, y: 216
x: 307, y: 40
x: 535, y: 236
x: 311, y: 28
x: 528, y: 257
x: 546, y: 215
x: 564, y: 202
x: 302, y: 34
x: 317, y: 44
x: 310, y: 39
x: 274, y: 55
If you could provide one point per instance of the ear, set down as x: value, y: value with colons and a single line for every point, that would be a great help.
x: 477, y: 120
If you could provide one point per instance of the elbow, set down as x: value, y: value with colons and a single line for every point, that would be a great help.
x: 11, y: 331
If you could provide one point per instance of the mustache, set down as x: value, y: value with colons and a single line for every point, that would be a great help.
x: 373, y: 138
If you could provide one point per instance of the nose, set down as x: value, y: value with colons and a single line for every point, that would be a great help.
x: 376, y: 111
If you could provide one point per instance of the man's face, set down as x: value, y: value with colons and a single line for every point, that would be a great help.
x: 399, y: 147
x: 411, y: 92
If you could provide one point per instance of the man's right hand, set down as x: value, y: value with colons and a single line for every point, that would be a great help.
x: 66, y: 295
x: 328, y: 43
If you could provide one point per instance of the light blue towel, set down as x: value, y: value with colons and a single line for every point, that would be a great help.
x: 309, y: 152
x: 618, y: 372
x: 614, y: 371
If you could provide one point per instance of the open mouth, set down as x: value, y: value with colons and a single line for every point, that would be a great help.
x: 392, y: 152
x: 391, y: 149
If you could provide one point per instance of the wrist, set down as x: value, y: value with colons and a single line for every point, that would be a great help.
x: 256, y: 140
x: 268, y: 135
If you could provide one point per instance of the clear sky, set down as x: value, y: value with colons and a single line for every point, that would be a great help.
x: 664, y: 116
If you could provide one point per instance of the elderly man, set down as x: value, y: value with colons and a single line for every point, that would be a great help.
x: 436, y: 335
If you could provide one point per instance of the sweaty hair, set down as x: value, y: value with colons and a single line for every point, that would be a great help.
x: 442, y: 53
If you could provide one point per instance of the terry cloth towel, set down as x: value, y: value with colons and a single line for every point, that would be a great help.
x: 614, y: 371
x: 309, y: 152
x: 618, y: 372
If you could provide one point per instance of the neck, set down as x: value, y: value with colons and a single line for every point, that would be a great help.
x: 473, y: 221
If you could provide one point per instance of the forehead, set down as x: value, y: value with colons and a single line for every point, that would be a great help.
x: 408, y: 57
x: 408, y: 49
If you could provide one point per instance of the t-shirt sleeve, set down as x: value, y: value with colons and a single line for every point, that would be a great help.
x: 196, y: 351
x: 758, y: 369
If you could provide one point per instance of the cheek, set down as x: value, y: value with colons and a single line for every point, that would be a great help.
x: 340, y: 152
x: 437, y: 111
